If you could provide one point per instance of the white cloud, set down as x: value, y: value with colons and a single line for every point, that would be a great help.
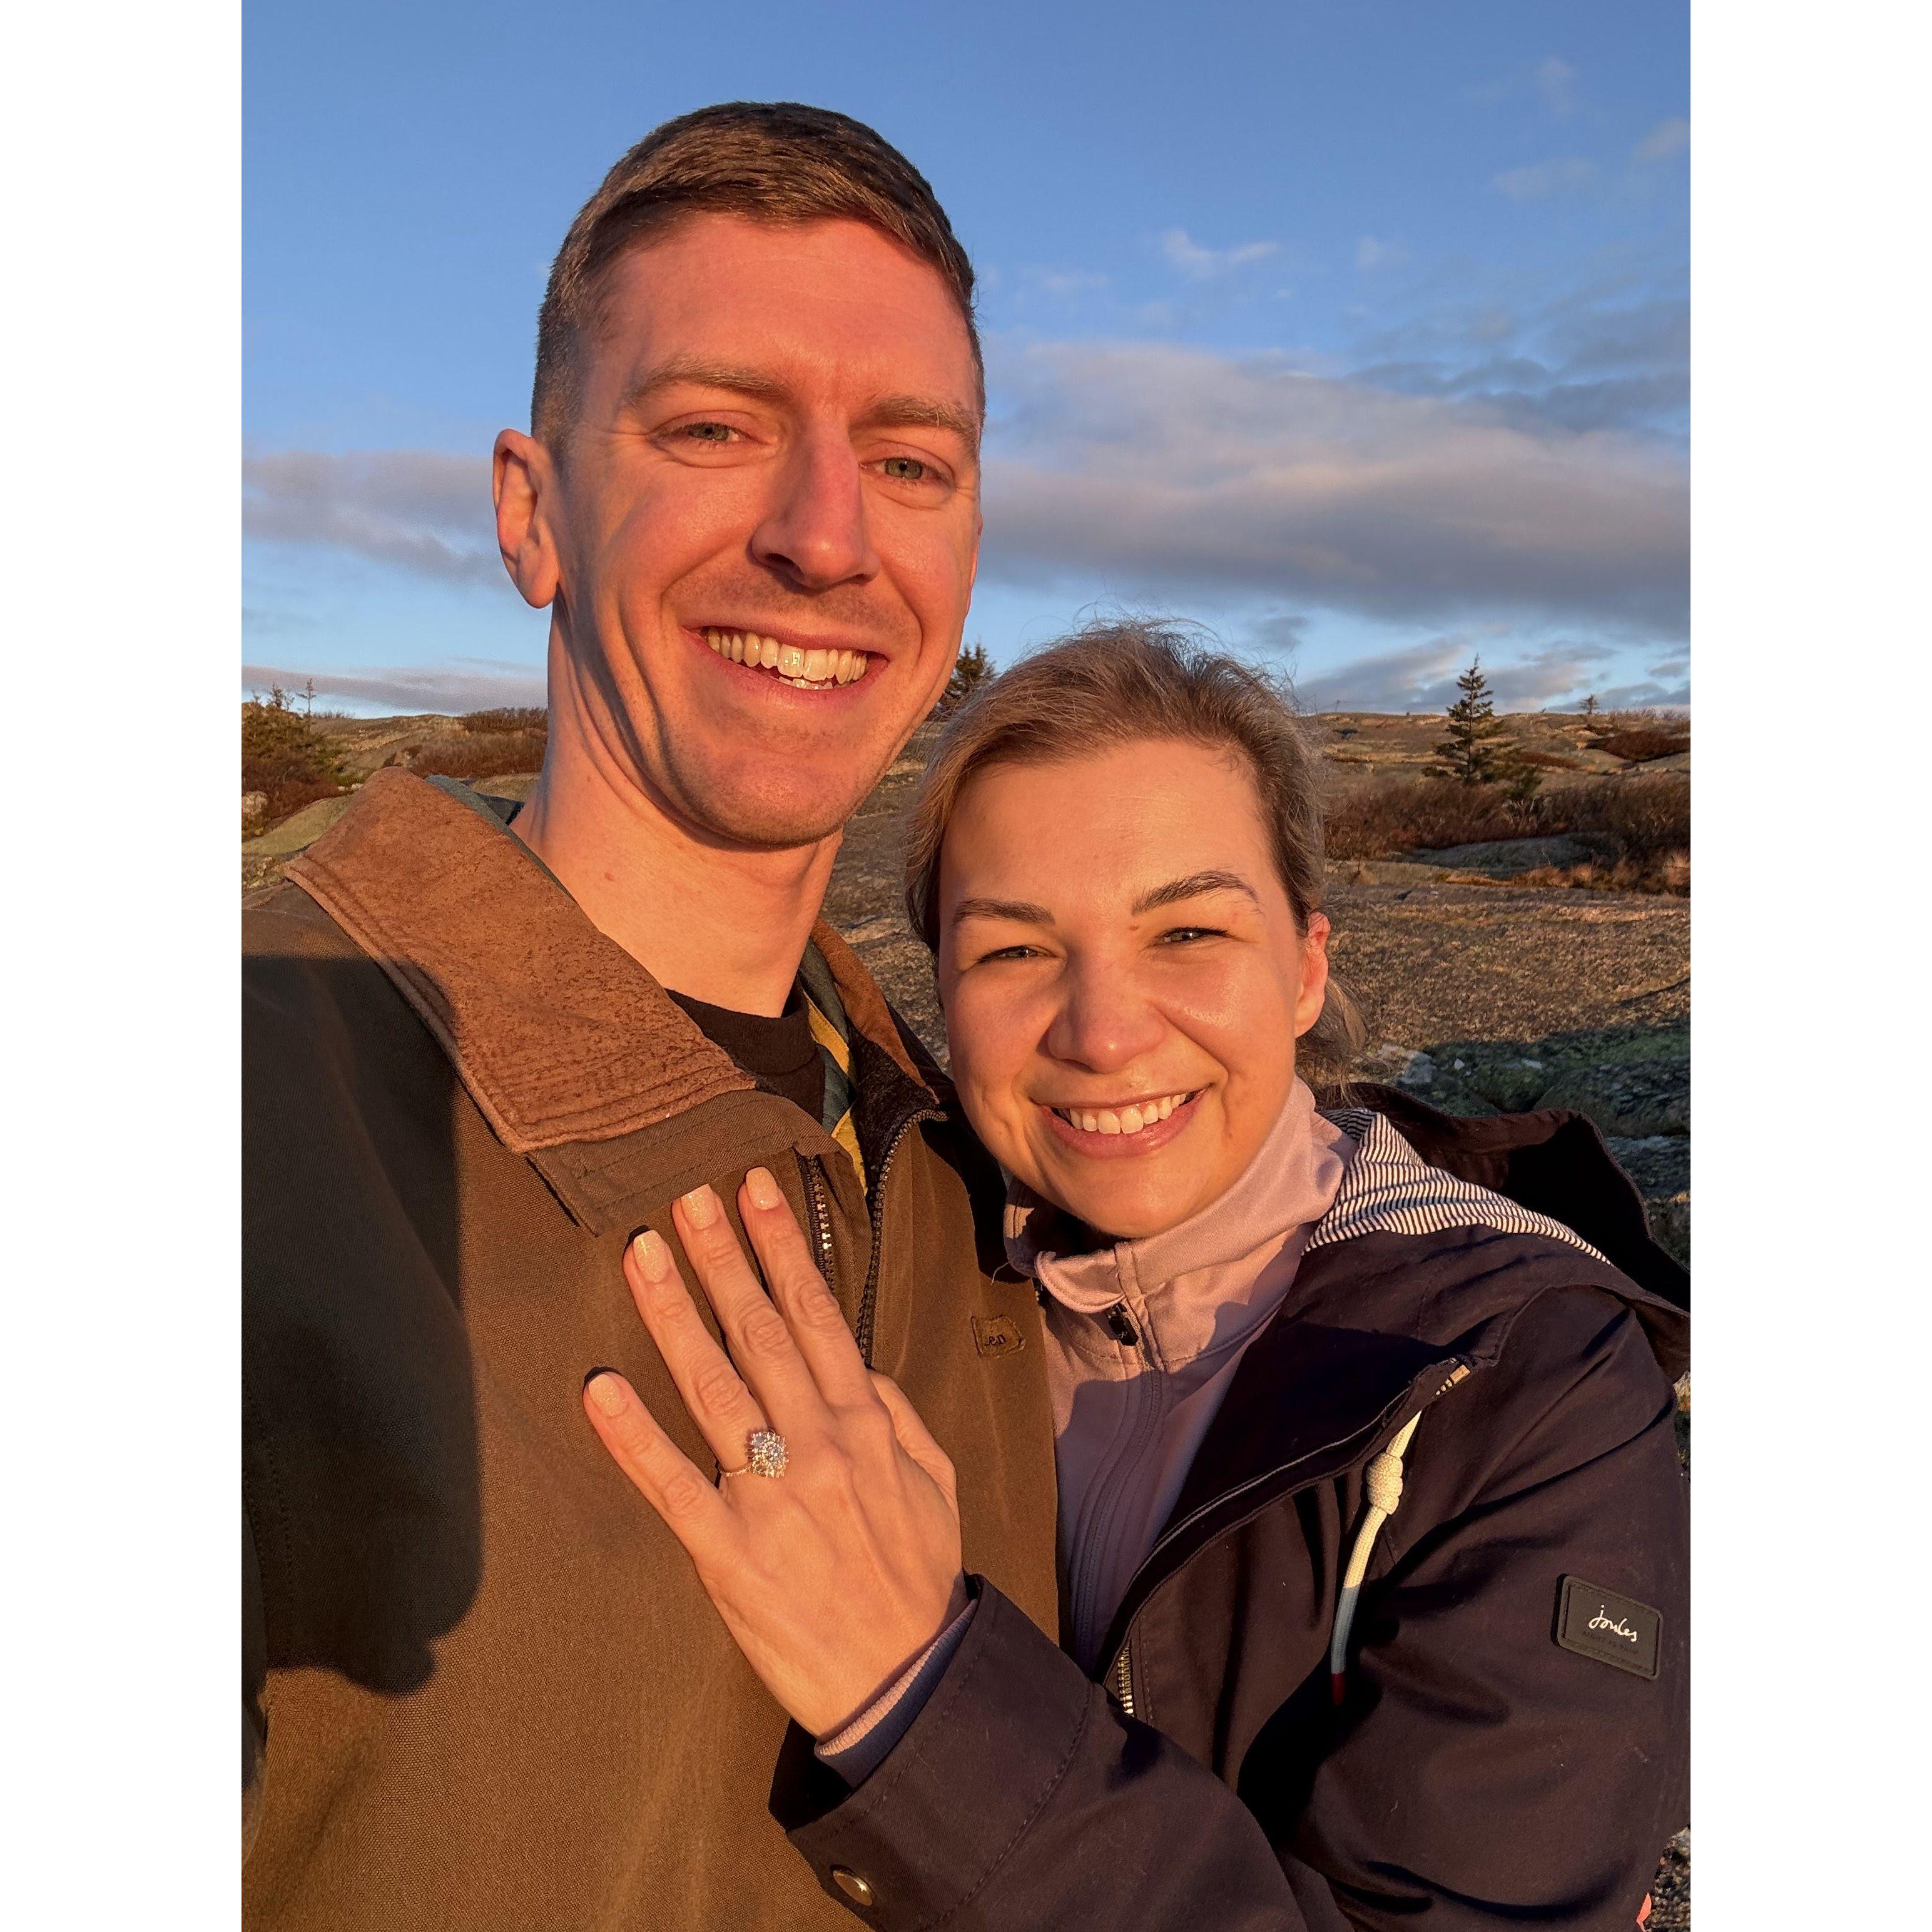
x: 1422, y: 676
x: 1156, y: 468
x: 1546, y: 177
x: 1371, y: 254
x: 1554, y: 80
x: 1192, y: 258
x: 1649, y: 696
x: 470, y: 685
x: 1666, y: 140
x: 422, y: 510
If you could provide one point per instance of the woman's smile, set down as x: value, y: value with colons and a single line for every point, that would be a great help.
x: 1121, y: 1130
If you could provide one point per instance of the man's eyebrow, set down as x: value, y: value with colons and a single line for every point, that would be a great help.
x: 1024, y: 910
x: 906, y: 411
x: 704, y: 374
x: 911, y: 412
x: 1192, y: 886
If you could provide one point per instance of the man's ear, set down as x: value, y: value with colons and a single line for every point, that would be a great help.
x: 1314, y: 973
x: 523, y: 484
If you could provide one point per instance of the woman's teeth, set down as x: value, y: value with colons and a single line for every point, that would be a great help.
x: 809, y: 670
x: 1124, y: 1119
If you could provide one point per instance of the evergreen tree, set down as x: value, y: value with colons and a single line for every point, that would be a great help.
x: 971, y: 669
x: 1475, y: 752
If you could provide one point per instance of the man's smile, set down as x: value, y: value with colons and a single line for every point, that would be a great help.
x: 803, y: 667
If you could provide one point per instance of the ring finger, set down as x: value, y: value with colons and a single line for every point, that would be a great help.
x: 724, y: 1410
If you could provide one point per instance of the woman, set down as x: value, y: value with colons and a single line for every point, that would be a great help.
x: 1372, y: 1530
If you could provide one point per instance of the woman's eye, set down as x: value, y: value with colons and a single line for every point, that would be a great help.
x: 1183, y: 933
x: 1007, y: 953
x: 906, y: 469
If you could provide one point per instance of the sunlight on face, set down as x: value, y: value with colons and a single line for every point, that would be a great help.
x: 1122, y: 977
x: 777, y: 441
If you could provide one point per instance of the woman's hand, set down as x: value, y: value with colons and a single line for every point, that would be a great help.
x: 832, y: 1577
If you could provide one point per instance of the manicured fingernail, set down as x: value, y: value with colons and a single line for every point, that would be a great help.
x: 701, y: 1206
x: 762, y: 1188
x: 653, y: 1257
x: 607, y: 1393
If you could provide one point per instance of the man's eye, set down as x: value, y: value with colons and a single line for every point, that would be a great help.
x: 708, y: 432
x: 906, y: 469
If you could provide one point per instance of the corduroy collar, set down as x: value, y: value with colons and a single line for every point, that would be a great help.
x: 560, y: 1035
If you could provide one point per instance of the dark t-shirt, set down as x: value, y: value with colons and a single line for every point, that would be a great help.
x: 781, y: 1054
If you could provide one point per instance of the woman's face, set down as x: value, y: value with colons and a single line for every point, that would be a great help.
x: 1123, y: 978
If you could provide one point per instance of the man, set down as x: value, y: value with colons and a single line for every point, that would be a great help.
x: 481, y: 1688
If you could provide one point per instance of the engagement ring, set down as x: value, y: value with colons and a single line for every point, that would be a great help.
x: 765, y: 1455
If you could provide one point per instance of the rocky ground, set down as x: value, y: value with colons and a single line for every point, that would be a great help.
x: 1481, y: 994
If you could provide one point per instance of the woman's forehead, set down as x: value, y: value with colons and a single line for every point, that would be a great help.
x: 1117, y: 827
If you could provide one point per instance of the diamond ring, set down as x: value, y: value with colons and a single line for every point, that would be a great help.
x: 765, y: 1455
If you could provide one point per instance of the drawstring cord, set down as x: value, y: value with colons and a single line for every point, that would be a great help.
x: 1382, y: 1480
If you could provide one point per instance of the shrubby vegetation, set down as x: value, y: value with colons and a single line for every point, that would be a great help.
x: 284, y: 758
x: 1638, y: 826
x: 510, y: 739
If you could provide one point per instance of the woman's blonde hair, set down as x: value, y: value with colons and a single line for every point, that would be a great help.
x: 1121, y: 683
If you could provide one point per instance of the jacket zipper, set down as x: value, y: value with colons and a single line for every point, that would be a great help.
x: 876, y: 1201
x: 813, y: 1175
x: 1121, y: 1669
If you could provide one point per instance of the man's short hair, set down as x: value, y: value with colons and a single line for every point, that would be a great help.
x: 778, y: 161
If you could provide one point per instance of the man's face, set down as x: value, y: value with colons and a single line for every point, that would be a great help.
x: 775, y: 457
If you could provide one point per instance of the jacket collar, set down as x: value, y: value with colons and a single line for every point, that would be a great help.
x: 558, y: 1034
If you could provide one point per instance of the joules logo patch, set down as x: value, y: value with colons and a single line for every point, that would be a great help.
x: 1612, y: 1629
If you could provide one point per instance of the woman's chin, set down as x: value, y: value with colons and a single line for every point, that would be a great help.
x: 1128, y: 1206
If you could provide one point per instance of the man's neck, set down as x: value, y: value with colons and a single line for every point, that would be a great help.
x: 716, y: 923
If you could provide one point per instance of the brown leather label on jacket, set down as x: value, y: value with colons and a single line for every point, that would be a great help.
x: 1596, y: 1622
x: 997, y: 1335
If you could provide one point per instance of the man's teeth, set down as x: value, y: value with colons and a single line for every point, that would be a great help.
x: 1124, y: 1119
x: 811, y: 670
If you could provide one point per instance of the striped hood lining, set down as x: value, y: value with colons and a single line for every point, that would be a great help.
x: 1389, y: 1189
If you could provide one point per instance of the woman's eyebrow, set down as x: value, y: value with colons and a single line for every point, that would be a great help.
x: 1192, y: 886
x: 1024, y: 910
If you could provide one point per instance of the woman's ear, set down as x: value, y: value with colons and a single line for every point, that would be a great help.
x: 1314, y: 973
x: 523, y: 484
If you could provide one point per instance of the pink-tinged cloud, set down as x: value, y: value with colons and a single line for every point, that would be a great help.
x: 420, y: 510
x: 1162, y: 470
x: 451, y: 689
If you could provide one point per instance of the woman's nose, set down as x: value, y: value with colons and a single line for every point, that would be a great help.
x: 1103, y: 1024
x: 816, y: 531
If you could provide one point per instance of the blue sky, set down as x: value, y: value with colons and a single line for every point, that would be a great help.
x: 1357, y: 331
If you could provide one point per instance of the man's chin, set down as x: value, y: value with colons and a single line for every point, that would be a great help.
x: 774, y: 818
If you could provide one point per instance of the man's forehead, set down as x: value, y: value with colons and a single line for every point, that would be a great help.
x: 805, y: 305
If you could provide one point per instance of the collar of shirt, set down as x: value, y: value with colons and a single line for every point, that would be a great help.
x: 1198, y: 1289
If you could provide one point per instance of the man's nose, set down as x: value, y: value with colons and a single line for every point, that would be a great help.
x: 1104, y: 1024
x: 817, y: 530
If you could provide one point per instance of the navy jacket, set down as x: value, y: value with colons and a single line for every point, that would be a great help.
x: 1511, y: 1744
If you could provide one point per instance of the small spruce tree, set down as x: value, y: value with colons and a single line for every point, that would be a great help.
x: 1475, y: 752
x: 971, y: 669
x: 1590, y: 706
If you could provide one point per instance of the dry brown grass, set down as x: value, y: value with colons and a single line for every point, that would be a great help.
x: 1651, y: 741
x: 480, y: 754
x: 507, y: 719
x: 1640, y: 825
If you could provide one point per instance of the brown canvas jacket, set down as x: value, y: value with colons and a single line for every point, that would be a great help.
x: 482, y: 1687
